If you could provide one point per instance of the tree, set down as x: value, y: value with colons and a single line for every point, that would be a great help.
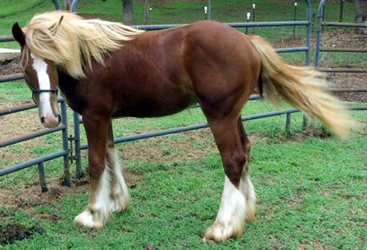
x: 127, y: 6
x: 361, y: 10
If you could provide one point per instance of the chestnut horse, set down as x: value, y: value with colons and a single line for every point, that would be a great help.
x: 107, y: 69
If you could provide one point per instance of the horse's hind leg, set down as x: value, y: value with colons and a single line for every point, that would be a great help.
x: 248, y: 188
x: 119, y: 192
x: 238, y: 196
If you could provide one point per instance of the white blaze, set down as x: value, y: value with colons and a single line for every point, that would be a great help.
x: 40, y: 66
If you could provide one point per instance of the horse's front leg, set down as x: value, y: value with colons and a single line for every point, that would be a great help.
x: 120, y: 198
x: 98, y: 209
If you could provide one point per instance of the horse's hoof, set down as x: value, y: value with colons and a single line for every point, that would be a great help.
x: 222, y: 231
x: 89, y: 220
x: 84, y: 219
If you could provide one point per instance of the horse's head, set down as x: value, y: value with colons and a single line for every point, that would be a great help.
x: 41, y: 77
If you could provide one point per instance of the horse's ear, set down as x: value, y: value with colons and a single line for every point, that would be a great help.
x: 61, y: 18
x: 55, y: 27
x: 18, y: 34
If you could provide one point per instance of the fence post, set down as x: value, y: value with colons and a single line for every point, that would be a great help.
x: 247, y: 20
x: 146, y: 12
x: 77, y: 155
x: 41, y: 173
x: 66, y: 177
x: 73, y: 6
x: 341, y: 11
x: 253, y: 16
x: 288, y: 122
x: 294, y: 19
x: 305, y: 122
x: 210, y: 10
x: 57, y: 4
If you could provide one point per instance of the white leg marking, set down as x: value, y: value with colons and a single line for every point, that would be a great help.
x: 45, y: 110
x: 249, y: 192
x: 98, y: 209
x: 236, y: 206
x: 84, y: 219
x: 119, y: 193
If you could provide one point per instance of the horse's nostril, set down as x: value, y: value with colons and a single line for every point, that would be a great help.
x: 42, y: 119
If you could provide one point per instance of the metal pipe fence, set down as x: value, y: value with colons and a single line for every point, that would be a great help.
x: 320, y: 26
x: 40, y: 160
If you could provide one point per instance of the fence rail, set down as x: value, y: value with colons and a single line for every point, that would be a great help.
x: 40, y: 160
x: 320, y: 25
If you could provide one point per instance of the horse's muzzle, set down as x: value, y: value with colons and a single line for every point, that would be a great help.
x: 51, y: 121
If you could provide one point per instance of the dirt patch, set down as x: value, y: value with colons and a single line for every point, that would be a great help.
x: 197, y: 146
x: 331, y: 38
x: 12, y: 232
x: 15, y: 125
x: 31, y: 197
x: 294, y: 137
x: 310, y: 132
x: 293, y: 202
x: 19, y: 123
x: 10, y: 66
x: 350, y: 80
x: 343, y: 38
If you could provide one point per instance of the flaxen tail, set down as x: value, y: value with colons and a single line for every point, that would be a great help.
x: 301, y: 87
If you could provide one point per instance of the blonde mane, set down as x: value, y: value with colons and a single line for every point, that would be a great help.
x: 71, y: 41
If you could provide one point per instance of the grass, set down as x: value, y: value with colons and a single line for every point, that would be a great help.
x: 306, y: 200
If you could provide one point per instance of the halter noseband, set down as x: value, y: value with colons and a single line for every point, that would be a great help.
x: 38, y: 91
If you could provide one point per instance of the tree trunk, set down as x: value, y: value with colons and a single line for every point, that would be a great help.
x: 67, y: 4
x: 146, y: 12
x: 361, y: 9
x: 127, y: 6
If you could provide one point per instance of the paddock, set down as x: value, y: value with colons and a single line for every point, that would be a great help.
x: 322, y: 185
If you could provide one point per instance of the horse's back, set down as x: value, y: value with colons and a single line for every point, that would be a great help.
x: 163, y: 72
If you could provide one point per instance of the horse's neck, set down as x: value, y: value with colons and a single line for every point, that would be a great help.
x: 70, y: 88
x: 66, y: 82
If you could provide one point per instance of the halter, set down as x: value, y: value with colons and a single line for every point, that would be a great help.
x: 38, y: 91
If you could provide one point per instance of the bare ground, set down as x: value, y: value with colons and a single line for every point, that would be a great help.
x: 30, y: 197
